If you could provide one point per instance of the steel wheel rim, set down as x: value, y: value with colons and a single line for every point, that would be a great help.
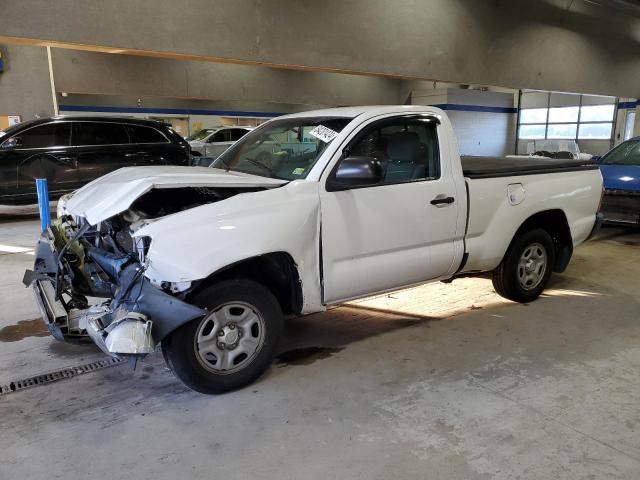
x: 229, y: 338
x: 532, y: 266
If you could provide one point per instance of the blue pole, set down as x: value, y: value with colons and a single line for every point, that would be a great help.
x: 43, y: 202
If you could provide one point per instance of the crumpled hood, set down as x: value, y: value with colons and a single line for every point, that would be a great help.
x: 115, y: 192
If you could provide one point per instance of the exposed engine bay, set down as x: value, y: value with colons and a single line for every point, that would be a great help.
x: 89, y: 279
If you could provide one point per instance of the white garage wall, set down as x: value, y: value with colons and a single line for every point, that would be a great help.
x: 484, y: 121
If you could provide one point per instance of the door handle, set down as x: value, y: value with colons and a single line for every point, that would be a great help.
x: 442, y: 200
x: 130, y: 155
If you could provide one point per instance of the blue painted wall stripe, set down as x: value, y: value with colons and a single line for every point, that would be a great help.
x: 629, y: 105
x: 234, y: 113
x: 475, y: 108
x: 172, y: 111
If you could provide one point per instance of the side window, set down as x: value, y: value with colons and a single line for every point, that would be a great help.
x: 101, y: 133
x: 221, y: 136
x: 142, y: 134
x: 406, y: 148
x: 46, y: 136
x: 238, y: 133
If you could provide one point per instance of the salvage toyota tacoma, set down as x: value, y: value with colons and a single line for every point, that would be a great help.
x: 306, y: 211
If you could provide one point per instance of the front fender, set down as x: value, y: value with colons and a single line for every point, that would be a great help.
x: 193, y: 244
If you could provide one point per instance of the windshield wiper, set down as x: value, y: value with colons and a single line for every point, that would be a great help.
x: 257, y: 163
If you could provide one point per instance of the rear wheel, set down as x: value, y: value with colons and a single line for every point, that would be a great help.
x: 233, y: 344
x: 526, y: 268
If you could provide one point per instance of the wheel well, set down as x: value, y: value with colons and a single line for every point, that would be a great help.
x: 555, y: 223
x: 277, y: 271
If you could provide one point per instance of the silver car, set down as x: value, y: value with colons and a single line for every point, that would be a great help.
x: 211, y: 142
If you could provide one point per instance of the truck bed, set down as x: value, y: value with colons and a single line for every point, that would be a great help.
x: 492, y: 167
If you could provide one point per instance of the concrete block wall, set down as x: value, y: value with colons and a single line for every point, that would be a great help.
x: 24, y: 86
x: 484, y: 121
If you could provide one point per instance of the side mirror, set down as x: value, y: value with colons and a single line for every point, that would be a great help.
x: 356, y: 172
x: 12, y: 143
x: 596, y: 159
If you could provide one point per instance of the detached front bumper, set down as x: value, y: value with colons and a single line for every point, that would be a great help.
x: 129, y: 322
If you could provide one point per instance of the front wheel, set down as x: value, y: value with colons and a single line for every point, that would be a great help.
x: 526, y: 268
x: 233, y: 344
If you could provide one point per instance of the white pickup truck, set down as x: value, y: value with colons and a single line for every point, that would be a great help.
x: 207, y: 261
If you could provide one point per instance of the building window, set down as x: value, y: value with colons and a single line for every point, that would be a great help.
x: 577, y: 122
x: 629, y: 125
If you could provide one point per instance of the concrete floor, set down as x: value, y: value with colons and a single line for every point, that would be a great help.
x: 440, y: 381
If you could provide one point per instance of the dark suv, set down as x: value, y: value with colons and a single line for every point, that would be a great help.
x: 71, y: 151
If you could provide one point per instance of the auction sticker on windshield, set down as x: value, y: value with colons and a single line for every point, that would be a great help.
x: 323, y: 133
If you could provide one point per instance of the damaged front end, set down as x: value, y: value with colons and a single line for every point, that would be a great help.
x: 89, y: 282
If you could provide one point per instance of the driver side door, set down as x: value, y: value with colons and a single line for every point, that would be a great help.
x: 398, y: 231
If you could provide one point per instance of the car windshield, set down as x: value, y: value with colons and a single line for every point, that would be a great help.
x: 200, y: 135
x: 627, y: 153
x: 286, y: 149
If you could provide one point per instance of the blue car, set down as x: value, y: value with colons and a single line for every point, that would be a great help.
x: 621, y: 174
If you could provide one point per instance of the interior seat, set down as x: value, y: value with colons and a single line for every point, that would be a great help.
x: 405, y: 158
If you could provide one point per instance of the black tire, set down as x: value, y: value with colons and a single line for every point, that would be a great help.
x: 179, y: 347
x: 506, y: 280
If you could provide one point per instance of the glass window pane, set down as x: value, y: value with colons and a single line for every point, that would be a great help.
x: 562, y: 131
x: 627, y: 153
x: 221, y: 136
x: 46, y: 136
x: 407, y: 150
x: 531, y: 131
x: 237, y: 134
x: 600, y: 131
x: 628, y: 127
x: 597, y: 113
x: 101, y: 133
x: 533, y: 115
x: 147, y: 135
x: 563, y: 114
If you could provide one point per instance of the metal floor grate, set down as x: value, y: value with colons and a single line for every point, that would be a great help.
x: 61, y: 374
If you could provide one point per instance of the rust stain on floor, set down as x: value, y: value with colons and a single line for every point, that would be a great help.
x: 23, y: 329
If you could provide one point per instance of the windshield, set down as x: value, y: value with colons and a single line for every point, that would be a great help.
x: 200, y: 135
x: 627, y: 153
x: 286, y: 149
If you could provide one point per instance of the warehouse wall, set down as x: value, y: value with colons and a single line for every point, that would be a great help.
x: 552, y: 45
x: 24, y: 86
x: 198, y: 113
x: 484, y: 121
x: 91, y: 72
